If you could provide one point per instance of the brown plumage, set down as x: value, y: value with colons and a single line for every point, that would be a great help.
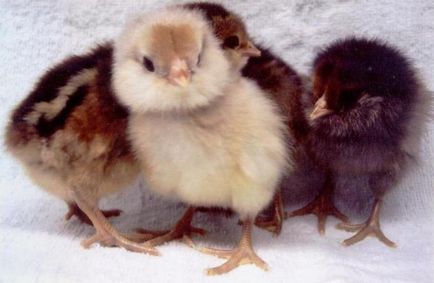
x: 279, y: 81
x: 69, y: 134
x: 368, y: 119
x: 230, y: 30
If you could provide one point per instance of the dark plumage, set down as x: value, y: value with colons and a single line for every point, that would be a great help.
x: 211, y: 10
x: 368, y: 105
x: 284, y: 86
x: 230, y: 29
x: 47, y: 87
x: 69, y: 134
x: 47, y: 127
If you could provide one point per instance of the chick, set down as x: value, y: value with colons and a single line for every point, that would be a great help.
x: 69, y: 135
x: 202, y: 133
x: 284, y: 86
x: 279, y: 81
x: 367, y: 120
x: 229, y: 28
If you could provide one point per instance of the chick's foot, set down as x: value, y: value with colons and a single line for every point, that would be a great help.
x: 113, y: 239
x: 74, y: 210
x: 322, y: 206
x: 243, y: 254
x: 274, y: 225
x: 106, y: 234
x: 182, y: 230
x: 370, y: 228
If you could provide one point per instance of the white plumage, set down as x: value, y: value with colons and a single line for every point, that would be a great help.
x: 217, y: 141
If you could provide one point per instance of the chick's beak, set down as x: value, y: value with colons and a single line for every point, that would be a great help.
x: 250, y: 50
x: 320, y: 109
x: 179, y: 74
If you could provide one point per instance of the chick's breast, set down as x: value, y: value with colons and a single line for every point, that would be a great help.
x: 229, y: 155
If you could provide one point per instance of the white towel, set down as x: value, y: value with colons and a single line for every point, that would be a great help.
x: 37, y: 245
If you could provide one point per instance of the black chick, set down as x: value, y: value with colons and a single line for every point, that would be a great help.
x: 368, y: 104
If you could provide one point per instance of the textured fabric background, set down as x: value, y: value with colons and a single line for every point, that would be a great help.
x: 37, y: 245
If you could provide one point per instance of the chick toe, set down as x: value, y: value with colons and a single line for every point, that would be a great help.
x: 370, y: 228
x: 114, y: 240
x: 111, y: 212
x: 242, y: 254
x: 106, y: 234
x: 142, y: 235
x: 74, y: 210
x: 182, y: 230
x: 274, y: 225
x: 322, y: 206
x: 239, y: 256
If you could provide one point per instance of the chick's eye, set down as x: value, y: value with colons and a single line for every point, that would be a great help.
x: 231, y: 42
x: 148, y: 64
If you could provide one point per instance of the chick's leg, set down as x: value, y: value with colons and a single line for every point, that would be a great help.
x: 182, y: 230
x: 370, y: 228
x: 74, y: 210
x: 243, y: 254
x: 379, y: 183
x: 322, y: 206
x: 275, y: 224
x: 106, y: 234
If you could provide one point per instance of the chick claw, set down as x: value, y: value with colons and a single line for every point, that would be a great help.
x: 363, y: 231
x: 107, y: 240
x: 370, y: 228
x: 73, y: 209
x: 321, y: 207
x: 182, y: 230
x: 239, y: 256
x: 156, y: 238
x: 273, y: 226
x: 243, y: 254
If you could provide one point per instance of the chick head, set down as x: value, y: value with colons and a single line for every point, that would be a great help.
x: 169, y: 60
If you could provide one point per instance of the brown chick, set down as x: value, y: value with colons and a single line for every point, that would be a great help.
x: 69, y: 135
x: 369, y: 116
x: 230, y: 30
x: 280, y: 82
x: 203, y: 134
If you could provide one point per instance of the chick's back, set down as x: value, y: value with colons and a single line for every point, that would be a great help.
x: 72, y: 128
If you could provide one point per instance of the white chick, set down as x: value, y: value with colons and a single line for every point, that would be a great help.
x: 202, y: 132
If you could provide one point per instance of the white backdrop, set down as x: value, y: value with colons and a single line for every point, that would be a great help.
x: 37, y: 245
